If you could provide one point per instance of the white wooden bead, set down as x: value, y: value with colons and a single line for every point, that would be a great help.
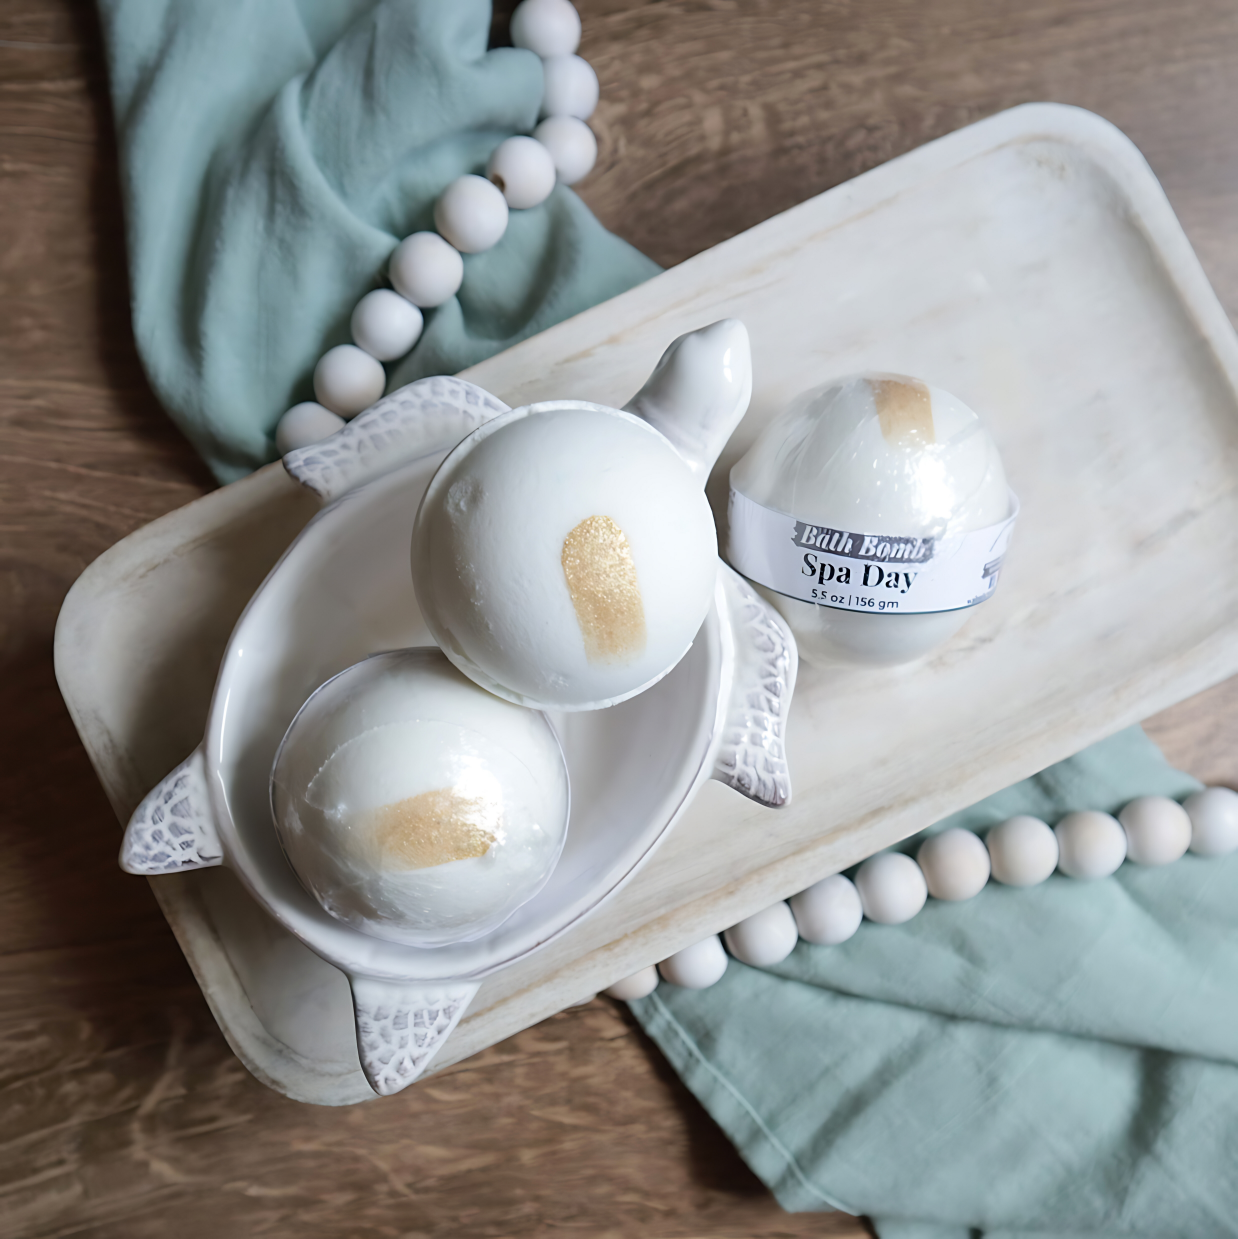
x: 385, y: 324
x: 697, y: 966
x: 892, y: 888
x: 471, y: 213
x: 829, y: 911
x: 523, y: 170
x: 303, y: 424
x: 571, y: 145
x: 1023, y: 850
x: 1090, y: 844
x: 1158, y: 830
x: 955, y: 864
x: 1214, y: 821
x: 765, y: 938
x: 639, y: 985
x: 546, y: 27
x: 571, y: 87
x: 348, y: 380
x: 426, y: 270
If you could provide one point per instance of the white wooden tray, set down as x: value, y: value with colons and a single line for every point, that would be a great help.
x: 1029, y: 263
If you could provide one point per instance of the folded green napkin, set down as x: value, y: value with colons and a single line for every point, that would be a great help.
x: 1060, y: 1060
x: 273, y: 154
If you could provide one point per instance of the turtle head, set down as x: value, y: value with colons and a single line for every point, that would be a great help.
x: 698, y: 392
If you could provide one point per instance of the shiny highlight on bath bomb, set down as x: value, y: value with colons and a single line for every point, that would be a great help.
x: 414, y: 806
x: 564, y: 556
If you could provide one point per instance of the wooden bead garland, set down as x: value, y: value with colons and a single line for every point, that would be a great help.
x: 471, y: 216
x: 1023, y: 851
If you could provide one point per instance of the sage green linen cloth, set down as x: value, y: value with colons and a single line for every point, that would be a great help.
x: 1061, y: 1060
x: 275, y: 151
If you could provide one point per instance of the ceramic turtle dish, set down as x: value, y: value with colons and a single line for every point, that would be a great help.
x: 679, y: 673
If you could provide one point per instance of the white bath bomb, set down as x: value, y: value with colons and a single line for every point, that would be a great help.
x: 1158, y: 830
x: 1091, y: 844
x: 955, y: 864
x: 416, y: 807
x: 564, y: 556
x: 874, y: 454
x: 1023, y: 850
x: 829, y: 911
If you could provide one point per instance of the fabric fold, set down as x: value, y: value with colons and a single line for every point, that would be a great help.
x: 274, y: 154
x: 1060, y: 1060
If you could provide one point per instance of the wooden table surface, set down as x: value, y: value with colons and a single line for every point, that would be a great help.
x: 122, y: 1111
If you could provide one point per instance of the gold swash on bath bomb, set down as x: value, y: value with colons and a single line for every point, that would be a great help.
x: 434, y: 828
x: 601, y: 579
x: 416, y: 807
x: 564, y: 556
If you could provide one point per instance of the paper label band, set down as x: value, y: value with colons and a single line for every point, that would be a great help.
x: 865, y: 572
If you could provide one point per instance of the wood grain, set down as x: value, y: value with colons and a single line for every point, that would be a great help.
x: 122, y: 1111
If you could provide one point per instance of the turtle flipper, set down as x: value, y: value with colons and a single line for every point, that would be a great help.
x: 428, y: 416
x: 753, y: 756
x: 401, y: 1025
x: 173, y: 829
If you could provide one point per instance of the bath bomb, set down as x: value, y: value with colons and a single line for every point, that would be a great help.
x: 880, y: 457
x: 564, y: 556
x: 414, y: 806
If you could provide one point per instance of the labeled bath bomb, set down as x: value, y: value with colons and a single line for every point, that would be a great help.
x: 564, y: 556
x: 416, y: 807
x: 852, y: 510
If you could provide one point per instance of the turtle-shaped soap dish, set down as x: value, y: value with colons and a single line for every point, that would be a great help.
x: 343, y: 591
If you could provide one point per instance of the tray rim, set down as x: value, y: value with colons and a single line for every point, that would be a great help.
x: 1153, y: 216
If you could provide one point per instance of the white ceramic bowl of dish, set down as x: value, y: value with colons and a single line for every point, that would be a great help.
x: 343, y: 591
